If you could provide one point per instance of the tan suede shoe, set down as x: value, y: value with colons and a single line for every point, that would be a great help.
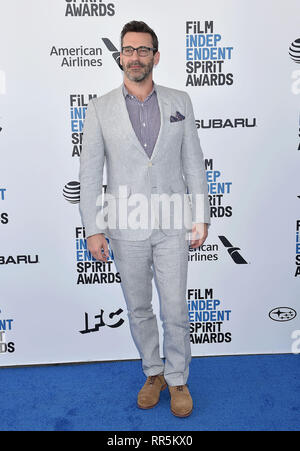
x: 149, y: 395
x: 181, y: 401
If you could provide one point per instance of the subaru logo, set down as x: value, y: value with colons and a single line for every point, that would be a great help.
x: 283, y: 314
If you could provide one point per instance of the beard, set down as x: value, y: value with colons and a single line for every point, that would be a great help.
x: 141, y: 75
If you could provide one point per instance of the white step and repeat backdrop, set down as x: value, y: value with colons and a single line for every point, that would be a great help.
x: 240, y: 63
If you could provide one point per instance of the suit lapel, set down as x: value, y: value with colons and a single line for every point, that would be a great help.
x: 124, y: 121
x: 165, y: 113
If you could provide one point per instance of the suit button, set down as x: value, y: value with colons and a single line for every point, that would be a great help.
x: 150, y: 164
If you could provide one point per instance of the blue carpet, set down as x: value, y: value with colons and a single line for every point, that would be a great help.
x: 240, y: 393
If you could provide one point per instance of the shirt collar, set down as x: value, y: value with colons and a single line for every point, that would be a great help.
x: 126, y: 93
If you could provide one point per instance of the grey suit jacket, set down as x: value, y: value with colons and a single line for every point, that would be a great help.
x: 176, y: 166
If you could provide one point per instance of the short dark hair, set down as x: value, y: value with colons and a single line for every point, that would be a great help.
x: 139, y: 27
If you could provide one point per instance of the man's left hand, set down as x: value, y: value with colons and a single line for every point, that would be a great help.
x: 199, y: 234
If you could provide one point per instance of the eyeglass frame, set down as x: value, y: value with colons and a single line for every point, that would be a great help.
x: 138, y: 48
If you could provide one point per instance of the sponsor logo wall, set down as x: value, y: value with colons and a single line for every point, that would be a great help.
x: 58, y: 304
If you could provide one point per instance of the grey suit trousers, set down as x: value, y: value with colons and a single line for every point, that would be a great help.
x: 166, y: 258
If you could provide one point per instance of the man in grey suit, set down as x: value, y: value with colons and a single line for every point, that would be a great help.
x: 147, y: 136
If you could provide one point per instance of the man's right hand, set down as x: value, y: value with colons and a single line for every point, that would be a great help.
x: 95, y: 245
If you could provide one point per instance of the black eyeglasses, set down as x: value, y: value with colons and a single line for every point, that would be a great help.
x: 141, y: 51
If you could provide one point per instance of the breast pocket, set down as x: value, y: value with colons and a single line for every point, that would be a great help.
x: 177, y: 124
x: 175, y: 129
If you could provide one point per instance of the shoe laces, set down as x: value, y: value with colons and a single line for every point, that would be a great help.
x: 152, y: 379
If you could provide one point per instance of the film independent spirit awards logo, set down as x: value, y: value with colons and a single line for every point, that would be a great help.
x: 206, y: 55
x: 209, y: 319
x: 6, y: 328
x: 78, y: 108
x: 95, y: 8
